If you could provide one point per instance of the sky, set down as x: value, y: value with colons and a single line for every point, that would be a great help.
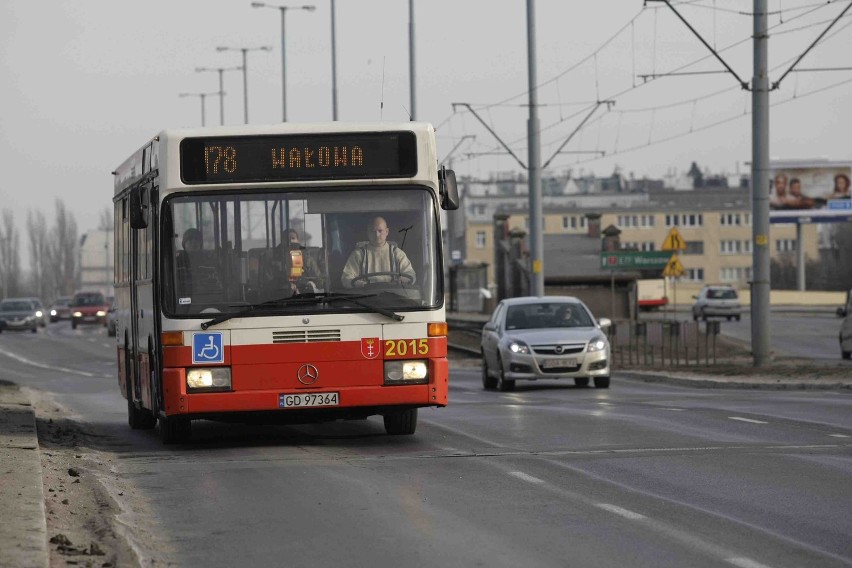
x: 83, y: 84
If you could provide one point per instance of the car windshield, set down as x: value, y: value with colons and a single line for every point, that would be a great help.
x: 13, y: 306
x: 547, y: 315
x: 225, y: 254
x: 726, y: 294
x: 89, y: 300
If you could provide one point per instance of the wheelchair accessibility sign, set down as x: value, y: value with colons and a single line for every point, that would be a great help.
x: 208, y: 348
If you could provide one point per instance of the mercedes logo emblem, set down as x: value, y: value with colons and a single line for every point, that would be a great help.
x: 307, y: 374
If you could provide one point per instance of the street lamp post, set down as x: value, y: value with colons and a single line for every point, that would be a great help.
x: 201, y: 96
x: 221, y: 71
x: 245, y: 51
x: 283, y: 10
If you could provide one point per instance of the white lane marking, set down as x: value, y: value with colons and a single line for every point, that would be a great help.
x: 741, y: 419
x: 26, y: 361
x: 743, y: 562
x: 626, y: 513
x: 525, y: 477
x: 675, y: 409
x: 838, y: 435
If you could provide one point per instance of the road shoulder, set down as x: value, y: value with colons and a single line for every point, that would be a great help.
x: 23, y: 532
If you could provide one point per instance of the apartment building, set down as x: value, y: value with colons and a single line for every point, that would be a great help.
x: 716, y: 225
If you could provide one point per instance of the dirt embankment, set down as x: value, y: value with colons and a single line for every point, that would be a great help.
x: 80, y: 513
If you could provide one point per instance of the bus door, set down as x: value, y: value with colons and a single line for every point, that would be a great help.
x: 137, y: 273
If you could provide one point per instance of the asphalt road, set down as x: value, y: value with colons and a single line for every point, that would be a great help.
x: 550, y: 475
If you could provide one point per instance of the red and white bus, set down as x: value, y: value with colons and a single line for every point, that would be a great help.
x: 231, y: 299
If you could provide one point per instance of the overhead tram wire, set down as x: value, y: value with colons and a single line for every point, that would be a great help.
x: 813, y: 8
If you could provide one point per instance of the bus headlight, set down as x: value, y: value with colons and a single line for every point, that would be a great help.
x: 208, y: 379
x: 406, y: 372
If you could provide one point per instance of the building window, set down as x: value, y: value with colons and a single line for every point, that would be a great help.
x: 694, y: 247
x: 731, y: 219
x: 694, y: 274
x: 480, y: 239
x: 785, y: 245
x: 648, y: 246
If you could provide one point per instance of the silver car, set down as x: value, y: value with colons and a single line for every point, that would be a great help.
x: 20, y: 314
x: 717, y: 301
x: 550, y: 337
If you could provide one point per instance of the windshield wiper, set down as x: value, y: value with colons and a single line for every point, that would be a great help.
x: 306, y: 299
x: 354, y: 298
x: 254, y: 307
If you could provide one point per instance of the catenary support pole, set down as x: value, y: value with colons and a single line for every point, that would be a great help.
x: 760, y: 189
x: 534, y: 153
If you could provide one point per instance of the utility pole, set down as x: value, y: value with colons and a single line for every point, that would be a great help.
x: 760, y: 189
x: 534, y: 158
x: 333, y: 65
x: 412, y: 87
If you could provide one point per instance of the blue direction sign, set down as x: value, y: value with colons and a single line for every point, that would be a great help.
x: 635, y: 260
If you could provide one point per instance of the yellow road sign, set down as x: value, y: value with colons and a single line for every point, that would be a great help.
x: 674, y: 268
x: 674, y: 241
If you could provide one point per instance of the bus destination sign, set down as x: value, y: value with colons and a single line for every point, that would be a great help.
x: 285, y: 157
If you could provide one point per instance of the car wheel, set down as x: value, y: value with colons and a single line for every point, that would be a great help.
x: 843, y: 353
x: 488, y: 382
x: 73, y: 324
x: 694, y: 316
x: 34, y: 329
x: 503, y: 384
x: 703, y: 314
x: 401, y: 423
x: 601, y: 382
x: 581, y: 381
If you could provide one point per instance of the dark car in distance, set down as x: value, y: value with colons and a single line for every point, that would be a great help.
x: 88, y: 307
x: 60, y: 309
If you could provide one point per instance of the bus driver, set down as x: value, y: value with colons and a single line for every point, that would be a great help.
x: 377, y: 260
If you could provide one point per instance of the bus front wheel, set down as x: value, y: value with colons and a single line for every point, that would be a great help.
x: 401, y: 422
x: 174, y: 429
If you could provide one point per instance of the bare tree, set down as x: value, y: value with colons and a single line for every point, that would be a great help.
x: 62, y: 251
x: 39, y: 261
x: 10, y: 259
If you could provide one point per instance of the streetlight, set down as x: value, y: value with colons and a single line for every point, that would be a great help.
x: 245, y: 50
x: 283, y: 10
x: 201, y: 96
x: 220, y: 70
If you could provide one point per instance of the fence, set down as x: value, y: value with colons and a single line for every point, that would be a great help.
x: 662, y: 343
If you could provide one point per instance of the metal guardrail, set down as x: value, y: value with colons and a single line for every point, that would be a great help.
x: 644, y: 343
x: 664, y: 343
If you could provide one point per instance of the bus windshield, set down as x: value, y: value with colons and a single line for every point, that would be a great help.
x: 224, y: 253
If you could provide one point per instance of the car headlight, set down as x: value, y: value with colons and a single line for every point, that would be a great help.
x: 208, y: 379
x: 406, y: 372
x: 53, y: 312
x: 39, y: 313
x: 101, y: 313
x: 597, y: 343
x: 519, y: 347
x: 78, y: 314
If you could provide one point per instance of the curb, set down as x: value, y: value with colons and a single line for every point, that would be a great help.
x: 705, y: 381
x: 731, y: 383
x: 23, y: 534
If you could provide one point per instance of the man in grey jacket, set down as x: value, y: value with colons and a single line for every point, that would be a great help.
x: 377, y: 260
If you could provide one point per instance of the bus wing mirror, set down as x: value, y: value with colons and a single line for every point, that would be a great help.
x: 139, y: 207
x: 449, y: 189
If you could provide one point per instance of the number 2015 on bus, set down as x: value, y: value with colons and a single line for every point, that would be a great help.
x: 403, y: 347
